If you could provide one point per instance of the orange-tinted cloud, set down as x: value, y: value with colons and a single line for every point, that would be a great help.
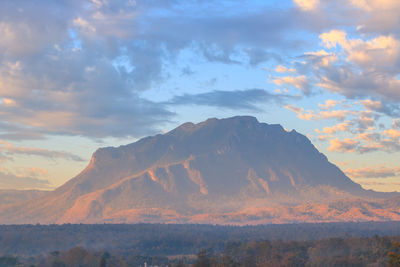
x: 345, y: 145
x: 299, y: 82
x: 341, y: 127
x: 307, y: 5
x: 373, y: 172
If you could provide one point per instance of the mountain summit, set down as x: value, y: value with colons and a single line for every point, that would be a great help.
x: 234, y: 170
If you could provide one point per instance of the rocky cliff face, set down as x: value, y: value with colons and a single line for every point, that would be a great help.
x: 221, y: 171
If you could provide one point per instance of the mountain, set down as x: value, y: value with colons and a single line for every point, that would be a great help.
x: 233, y: 171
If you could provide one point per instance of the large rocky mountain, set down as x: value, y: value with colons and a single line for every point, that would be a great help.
x: 235, y: 171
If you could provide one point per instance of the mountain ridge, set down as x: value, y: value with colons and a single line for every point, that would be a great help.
x: 219, y: 166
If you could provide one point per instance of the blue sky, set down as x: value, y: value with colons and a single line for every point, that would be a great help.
x: 78, y: 75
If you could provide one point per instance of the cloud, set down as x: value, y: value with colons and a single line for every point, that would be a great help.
x: 373, y: 172
x: 307, y: 5
x: 321, y: 58
x: 369, y: 137
x: 359, y: 129
x: 260, y: 55
x: 367, y: 67
x: 396, y: 123
x: 341, y: 127
x: 11, y: 181
x: 392, y: 133
x: 355, y: 66
x: 324, y: 138
x: 345, y: 145
x: 365, y: 120
x: 319, y: 115
x: 329, y: 103
x: 84, y: 74
x: 240, y: 99
x: 377, y: 16
x: 366, y: 143
x: 81, y: 23
x: 299, y: 82
x: 187, y: 71
x: 9, y: 149
x: 24, y: 179
x: 63, y: 80
x: 374, y: 183
x: 35, y: 172
x: 372, y: 5
x: 372, y: 105
x: 283, y: 69
x: 365, y: 70
x: 83, y: 101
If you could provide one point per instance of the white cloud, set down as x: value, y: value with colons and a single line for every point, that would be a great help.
x: 373, y: 54
x: 355, y: 68
x: 333, y: 38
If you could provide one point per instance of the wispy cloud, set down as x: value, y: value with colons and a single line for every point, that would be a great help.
x: 10, y: 150
x: 11, y: 181
x: 240, y: 99
x: 373, y: 172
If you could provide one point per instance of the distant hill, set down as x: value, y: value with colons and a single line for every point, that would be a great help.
x: 228, y: 171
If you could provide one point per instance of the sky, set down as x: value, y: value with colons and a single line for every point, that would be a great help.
x: 76, y: 75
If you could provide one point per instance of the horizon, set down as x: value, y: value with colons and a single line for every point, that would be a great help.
x: 79, y: 75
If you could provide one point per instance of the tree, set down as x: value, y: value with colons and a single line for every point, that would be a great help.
x: 8, y: 261
x: 58, y: 263
x: 103, y: 261
x: 394, y: 257
x: 203, y: 259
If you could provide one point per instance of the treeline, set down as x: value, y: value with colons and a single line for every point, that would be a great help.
x: 170, y: 239
x: 338, y: 252
x: 81, y: 257
x: 374, y: 251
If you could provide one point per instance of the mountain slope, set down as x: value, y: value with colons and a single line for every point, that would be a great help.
x: 219, y: 167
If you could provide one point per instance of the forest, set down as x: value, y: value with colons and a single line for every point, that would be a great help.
x: 367, y: 251
x: 325, y: 244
